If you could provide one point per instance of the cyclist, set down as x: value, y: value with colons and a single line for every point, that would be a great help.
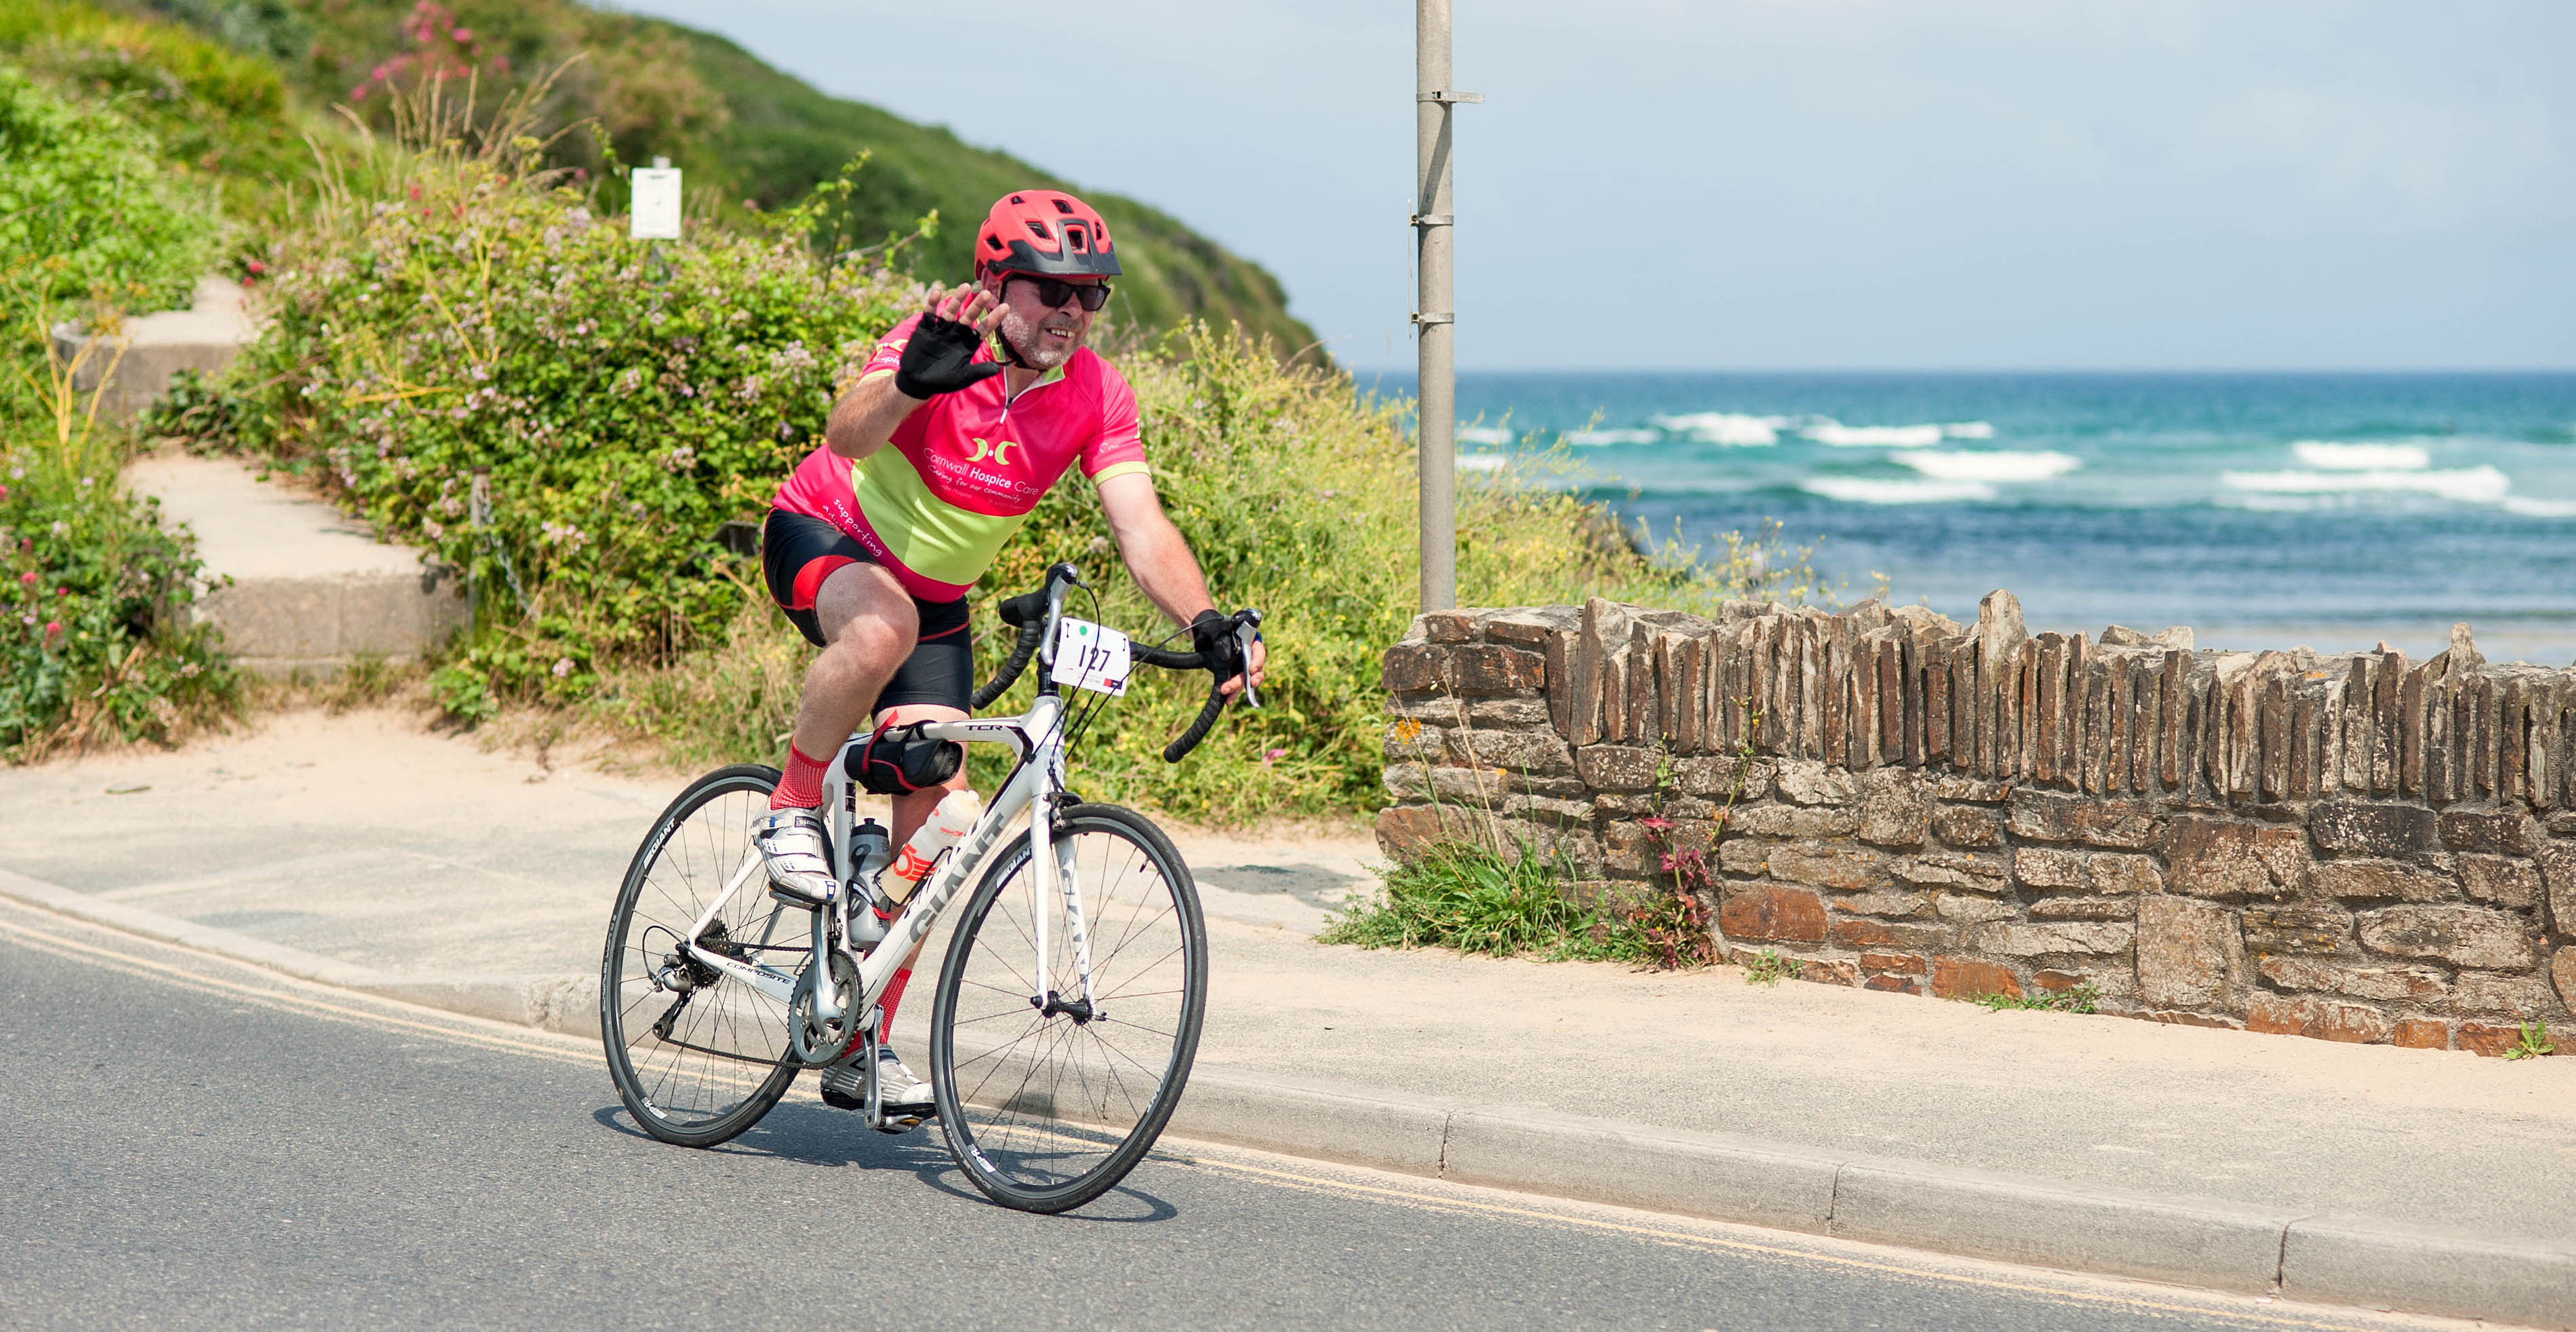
x: 936, y: 450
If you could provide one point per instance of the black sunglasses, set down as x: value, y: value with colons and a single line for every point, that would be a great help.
x: 1054, y: 292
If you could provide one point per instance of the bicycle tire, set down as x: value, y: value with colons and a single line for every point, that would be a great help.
x: 719, y: 1059
x: 1079, y: 1115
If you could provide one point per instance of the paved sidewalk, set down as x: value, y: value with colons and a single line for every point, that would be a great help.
x: 363, y: 840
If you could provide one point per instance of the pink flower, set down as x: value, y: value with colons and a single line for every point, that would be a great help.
x: 1655, y: 824
x: 258, y: 267
x: 29, y: 578
x: 53, y: 630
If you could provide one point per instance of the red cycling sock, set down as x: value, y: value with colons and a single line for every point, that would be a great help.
x: 801, y: 786
x: 893, y: 995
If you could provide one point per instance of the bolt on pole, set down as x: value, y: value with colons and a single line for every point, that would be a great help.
x: 1436, y: 404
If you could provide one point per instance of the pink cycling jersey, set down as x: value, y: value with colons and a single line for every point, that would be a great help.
x: 963, y: 470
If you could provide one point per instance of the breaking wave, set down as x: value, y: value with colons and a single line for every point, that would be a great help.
x: 1873, y: 490
x: 1990, y: 465
x: 2330, y: 456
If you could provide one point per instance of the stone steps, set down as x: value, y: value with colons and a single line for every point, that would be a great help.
x: 156, y: 347
x: 310, y: 588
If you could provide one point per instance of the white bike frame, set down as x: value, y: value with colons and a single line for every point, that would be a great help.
x: 1035, y: 786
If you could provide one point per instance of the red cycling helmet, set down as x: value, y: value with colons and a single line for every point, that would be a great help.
x: 1047, y: 232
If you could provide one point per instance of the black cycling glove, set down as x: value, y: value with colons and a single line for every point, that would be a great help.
x: 1213, y: 634
x: 940, y: 358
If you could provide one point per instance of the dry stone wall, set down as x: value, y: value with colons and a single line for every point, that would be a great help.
x: 2354, y: 847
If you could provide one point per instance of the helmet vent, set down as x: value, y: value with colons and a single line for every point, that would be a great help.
x: 1062, y: 206
x: 1073, y: 233
x: 1038, y: 229
x: 996, y: 243
x: 1017, y: 199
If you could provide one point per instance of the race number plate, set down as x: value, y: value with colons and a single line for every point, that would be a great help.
x: 1090, y: 657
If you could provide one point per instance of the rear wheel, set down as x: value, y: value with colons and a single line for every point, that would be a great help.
x: 697, y: 1055
x: 1047, y: 1101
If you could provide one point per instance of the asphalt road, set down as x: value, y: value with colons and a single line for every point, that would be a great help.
x: 194, y: 1143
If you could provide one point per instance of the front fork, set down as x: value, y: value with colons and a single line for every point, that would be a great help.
x: 1056, y: 879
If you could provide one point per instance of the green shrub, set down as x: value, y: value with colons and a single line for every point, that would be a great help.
x: 628, y: 402
x: 84, y: 214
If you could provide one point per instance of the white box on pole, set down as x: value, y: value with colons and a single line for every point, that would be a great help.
x: 655, y: 212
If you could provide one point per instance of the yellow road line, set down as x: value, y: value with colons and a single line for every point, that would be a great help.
x: 46, y: 941
x: 1685, y: 1239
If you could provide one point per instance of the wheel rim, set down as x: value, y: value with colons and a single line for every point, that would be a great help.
x: 1047, y: 1100
x: 723, y: 1045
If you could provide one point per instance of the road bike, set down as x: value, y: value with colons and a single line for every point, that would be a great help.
x: 1069, y: 1000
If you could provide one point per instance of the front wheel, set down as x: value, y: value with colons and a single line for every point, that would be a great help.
x: 1050, y: 1092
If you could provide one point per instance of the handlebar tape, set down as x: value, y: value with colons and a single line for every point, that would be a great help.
x: 1030, y: 632
x: 1189, y: 739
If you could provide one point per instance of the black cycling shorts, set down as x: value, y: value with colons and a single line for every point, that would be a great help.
x: 798, y: 552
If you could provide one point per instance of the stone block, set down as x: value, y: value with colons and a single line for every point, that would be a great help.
x: 2051, y: 939
x: 2228, y: 858
x: 1769, y: 820
x: 2506, y: 832
x: 1966, y: 910
x: 2562, y: 975
x: 2513, y: 996
x: 1445, y: 626
x: 2364, y: 828
x: 1744, y: 857
x: 1715, y: 778
x: 2116, y: 873
x: 2421, y: 1034
x: 1409, y: 741
x: 1628, y: 849
x: 1768, y: 912
x: 2415, y: 984
x: 1574, y: 813
x: 1515, y: 713
x: 1952, y: 869
x: 2383, y: 881
x: 2506, y: 881
x: 1489, y: 668
x: 1415, y: 668
x: 1616, y: 767
x: 2489, y: 1038
x: 1521, y: 751
x: 2044, y: 816
x: 2188, y: 952
x: 1812, y: 783
x: 2084, y: 908
x: 2296, y: 929
x: 1892, y: 902
x: 1405, y: 831
x: 2319, y: 1019
x: 1894, y: 811
x: 1862, y: 932
x: 1972, y: 978
x: 1828, y: 866
x: 2463, y: 936
x: 2557, y: 861
x: 2043, y: 867
x: 1893, y: 984
x: 1910, y: 964
x: 1828, y: 971
x: 1974, y: 790
x: 1967, y: 827
x: 1529, y: 629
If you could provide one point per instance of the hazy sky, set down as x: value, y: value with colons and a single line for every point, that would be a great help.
x: 1810, y: 183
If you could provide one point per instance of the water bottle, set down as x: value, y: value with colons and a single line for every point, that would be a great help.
x: 952, y: 820
x: 870, y: 849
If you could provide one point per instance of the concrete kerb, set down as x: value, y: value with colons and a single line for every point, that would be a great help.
x: 2191, y: 1241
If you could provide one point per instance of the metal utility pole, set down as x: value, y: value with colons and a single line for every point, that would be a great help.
x: 1436, y: 406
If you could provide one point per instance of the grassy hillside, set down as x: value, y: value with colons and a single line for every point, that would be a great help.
x: 744, y: 131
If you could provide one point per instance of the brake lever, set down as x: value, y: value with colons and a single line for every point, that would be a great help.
x: 1247, y: 631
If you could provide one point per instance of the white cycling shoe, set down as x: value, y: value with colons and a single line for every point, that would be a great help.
x: 791, y: 847
x: 906, y: 1100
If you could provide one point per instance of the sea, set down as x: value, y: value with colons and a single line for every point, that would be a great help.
x: 2335, y: 511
